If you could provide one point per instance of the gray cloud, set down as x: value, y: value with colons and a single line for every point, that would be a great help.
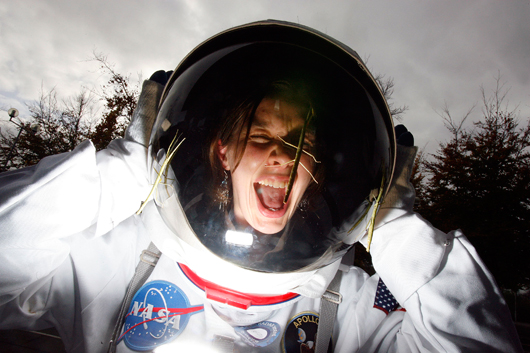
x: 436, y: 51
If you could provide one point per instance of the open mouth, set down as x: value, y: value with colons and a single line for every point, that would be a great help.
x: 271, y: 193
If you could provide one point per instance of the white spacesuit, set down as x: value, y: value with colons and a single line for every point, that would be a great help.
x: 236, y: 273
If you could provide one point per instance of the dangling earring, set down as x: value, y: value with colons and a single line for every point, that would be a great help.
x: 224, y: 193
x: 303, y: 205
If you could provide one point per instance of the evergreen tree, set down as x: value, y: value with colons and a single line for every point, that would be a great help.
x: 479, y: 182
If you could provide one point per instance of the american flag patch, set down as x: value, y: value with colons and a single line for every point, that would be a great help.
x: 384, y: 300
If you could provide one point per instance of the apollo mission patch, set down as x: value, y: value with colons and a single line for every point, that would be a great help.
x: 300, y: 334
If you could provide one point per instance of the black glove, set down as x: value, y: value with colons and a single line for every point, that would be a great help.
x: 161, y: 77
x: 403, y: 136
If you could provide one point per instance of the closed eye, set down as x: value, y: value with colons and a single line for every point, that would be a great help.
x: 304, y: 150
x: 308, y: 144
x: 260, y: 138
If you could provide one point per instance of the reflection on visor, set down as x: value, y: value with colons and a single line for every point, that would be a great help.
x: 239, y: 238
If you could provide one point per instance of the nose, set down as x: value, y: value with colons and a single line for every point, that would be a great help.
x: 280, y: 154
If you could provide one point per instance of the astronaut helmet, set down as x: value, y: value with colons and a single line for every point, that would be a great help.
x: 272, y: 149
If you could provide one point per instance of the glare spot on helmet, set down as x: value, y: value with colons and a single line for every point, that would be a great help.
x: 239, y: 238
x: 166, y: 124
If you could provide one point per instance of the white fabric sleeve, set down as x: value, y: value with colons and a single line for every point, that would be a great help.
x: 46, y: 208
x: 452, y: 301
x: 42, y: 206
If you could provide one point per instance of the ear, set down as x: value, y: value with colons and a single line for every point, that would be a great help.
x: 221, y: 153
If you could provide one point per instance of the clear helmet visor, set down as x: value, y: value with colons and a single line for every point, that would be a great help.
x: 271, y: 155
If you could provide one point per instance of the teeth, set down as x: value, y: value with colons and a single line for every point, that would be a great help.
x: 273, y: 183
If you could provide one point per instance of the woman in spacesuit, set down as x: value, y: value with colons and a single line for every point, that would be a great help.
x: 271, y: 153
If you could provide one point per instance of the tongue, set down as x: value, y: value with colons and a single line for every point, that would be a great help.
x: 271, y: 198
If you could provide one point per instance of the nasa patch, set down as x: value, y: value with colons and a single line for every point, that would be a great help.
x: 300, y: 334
x: 158, y: 314
x: 259, y: 335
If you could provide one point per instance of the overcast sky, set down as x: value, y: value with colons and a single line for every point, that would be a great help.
x: 438, y: 52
